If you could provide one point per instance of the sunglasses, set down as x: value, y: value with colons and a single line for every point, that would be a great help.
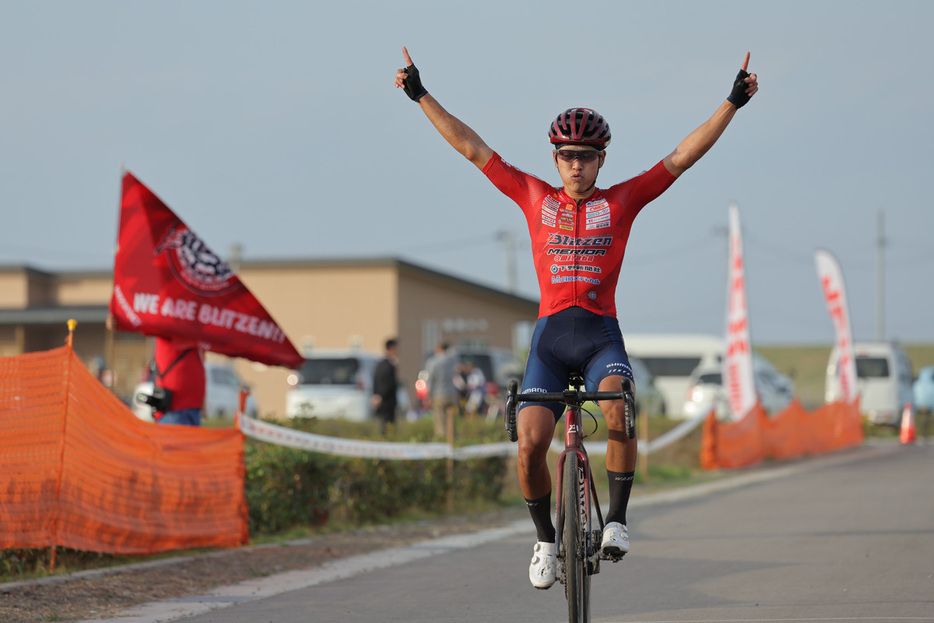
x: 584, y: 155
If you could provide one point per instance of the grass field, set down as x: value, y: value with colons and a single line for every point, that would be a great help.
x: 807, y: 364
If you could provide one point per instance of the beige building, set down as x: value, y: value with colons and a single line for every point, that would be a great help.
x: 318, y: 303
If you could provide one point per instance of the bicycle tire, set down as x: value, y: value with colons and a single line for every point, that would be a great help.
x: 577, y: 578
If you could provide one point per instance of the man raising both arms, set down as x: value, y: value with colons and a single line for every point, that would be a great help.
x: 579, y: 234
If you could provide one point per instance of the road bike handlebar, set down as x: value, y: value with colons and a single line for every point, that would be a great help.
x: 570, y: 397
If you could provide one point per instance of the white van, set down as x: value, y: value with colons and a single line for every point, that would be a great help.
x: 336, y: 384
x: 884, y: 378
x: 671, y: 358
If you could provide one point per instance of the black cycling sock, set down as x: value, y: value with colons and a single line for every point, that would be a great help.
x: 540, y: 510
x: 620, y: 488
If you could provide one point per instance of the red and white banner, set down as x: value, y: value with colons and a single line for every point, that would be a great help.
x: 738, y: 377
x: 831, y: 281
x: 168, y: 283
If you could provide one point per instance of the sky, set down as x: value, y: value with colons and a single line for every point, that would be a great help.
x: 276, y: 126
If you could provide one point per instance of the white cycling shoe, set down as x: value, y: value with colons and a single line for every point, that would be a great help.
x: 543, y: 569
x: 615, y: 540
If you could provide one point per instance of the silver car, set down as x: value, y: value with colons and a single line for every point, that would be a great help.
x: 337, y: 384
x: 705, y: 389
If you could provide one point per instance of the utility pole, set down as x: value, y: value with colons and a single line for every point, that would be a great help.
x: 509, y: 243
x: 236, y: 256
x: 880, y: 279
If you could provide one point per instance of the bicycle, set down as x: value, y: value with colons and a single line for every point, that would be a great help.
x: 577, y: 545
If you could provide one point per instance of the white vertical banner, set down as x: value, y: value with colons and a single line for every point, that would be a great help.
x: 831, y: 283
x: 737, y: 366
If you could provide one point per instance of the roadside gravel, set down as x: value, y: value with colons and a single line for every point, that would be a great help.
x: 106, y: 593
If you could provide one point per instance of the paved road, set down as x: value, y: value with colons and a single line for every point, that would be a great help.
x: 849, y: 538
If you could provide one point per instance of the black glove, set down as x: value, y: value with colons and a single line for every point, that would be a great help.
x: 738, y: 95
x: 412, y: 85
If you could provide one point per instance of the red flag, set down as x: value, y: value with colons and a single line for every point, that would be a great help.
x: 831, y: 281
x: 168, y: 283
x: 737, y: 365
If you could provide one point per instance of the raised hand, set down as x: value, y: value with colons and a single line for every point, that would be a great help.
x: 745, y: 86
x: 408, y: 79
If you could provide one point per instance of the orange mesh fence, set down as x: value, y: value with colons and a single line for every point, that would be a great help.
x: 788, y: 434
x: 79, y: 470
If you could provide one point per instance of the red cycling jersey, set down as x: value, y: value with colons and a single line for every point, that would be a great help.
x: 180, y: 369
x: 578, y: 249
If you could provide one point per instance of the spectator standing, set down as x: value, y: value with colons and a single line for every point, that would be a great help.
x: 386, y: 386
x: 179, y: 369
x: 442, y: 391
x: 476, y: 388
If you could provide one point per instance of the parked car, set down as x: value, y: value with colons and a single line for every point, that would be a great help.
x: 705, y: 389
x: 923, y: 390
x: 337, y: 384
x: 221, y: 397
x: 883, y: 374
x: 671, y: 358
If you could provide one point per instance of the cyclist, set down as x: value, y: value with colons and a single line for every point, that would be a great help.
x: 579, y: 234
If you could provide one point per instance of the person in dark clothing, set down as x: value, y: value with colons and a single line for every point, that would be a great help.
x: 386, y: 384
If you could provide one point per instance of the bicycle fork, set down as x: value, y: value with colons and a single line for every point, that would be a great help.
x: 587, y: 496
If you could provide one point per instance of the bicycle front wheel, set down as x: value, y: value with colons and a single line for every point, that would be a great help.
x: 574, y: 537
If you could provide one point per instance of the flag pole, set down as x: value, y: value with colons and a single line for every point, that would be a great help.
x: 110, y: 338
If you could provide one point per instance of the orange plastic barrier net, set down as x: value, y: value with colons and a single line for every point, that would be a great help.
x: 79, y: 470
x: 788, y: 434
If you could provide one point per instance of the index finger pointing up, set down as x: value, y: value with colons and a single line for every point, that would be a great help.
x: 745, y: 61
x: 408, y: 59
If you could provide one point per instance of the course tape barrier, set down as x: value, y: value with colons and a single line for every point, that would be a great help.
x: 396, y: 451
x: 79, y: 470
x: 280, y: 435
x: 791, y: 433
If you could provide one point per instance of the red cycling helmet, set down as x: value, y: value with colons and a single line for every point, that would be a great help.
x: 580, y: 126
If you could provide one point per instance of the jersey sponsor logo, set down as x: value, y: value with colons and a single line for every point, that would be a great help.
x: 581, y: 253
x: 570, y: 241
x: 598, y: 219
x: 566, y: 217
x: 575, y: 278
x: 571, y: 258
x: 566, y: 248
x: 597, y: 214
x: 575, y: 268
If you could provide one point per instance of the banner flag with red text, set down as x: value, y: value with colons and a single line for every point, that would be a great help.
x: 831, y: 281
x: 738, y: 379
x: 168, y: 283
